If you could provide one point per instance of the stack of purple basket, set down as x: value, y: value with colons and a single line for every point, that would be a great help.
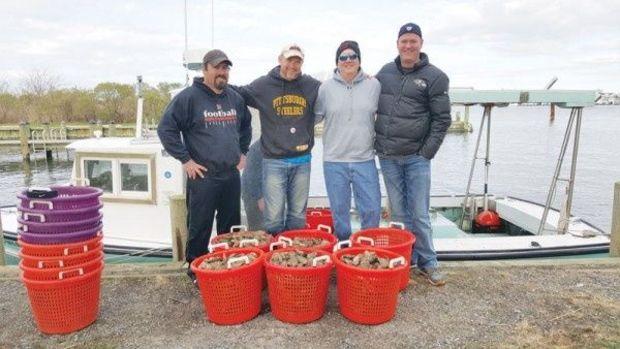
x: 59, y: 215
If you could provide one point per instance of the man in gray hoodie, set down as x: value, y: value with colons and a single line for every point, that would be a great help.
x: 285, y: 100
x: 348, y: 103
x: 412, y: 120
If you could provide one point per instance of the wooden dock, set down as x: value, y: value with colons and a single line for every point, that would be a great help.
x: 46, y: 138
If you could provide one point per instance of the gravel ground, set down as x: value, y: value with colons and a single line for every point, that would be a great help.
x: 570, y: 304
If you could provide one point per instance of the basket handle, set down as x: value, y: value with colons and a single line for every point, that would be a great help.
x: 251, y: 242
x: 398, y: 225
x: 50, y: 205
x: 339, y: 245
x: 318, y: 259
x: 273, y: 245
x: 394, y: 262
x: 66, y: 250
x: 243, y: 259
x: 213, y: 247
x: 361, y: 239
x: 235, y: 228
x: 325, y: 228
x: 41, y: 264
x: 62, y: 273
x: 41, y: 216
x: 286, y: 240
x: 316, y: 213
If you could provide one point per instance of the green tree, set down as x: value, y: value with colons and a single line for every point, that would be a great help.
x: 115, y: 102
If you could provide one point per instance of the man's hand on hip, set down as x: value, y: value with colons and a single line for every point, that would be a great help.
x: 241, y: 164
x: 194, y: 170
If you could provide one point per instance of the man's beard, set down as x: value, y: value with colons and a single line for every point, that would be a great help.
x: 220, y: 82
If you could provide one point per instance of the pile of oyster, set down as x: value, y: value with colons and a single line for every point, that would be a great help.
x: 308, y: 242
x: 296, y: 259
x: 366, y: 260
x: 234, y: 239
x: 221, y: 262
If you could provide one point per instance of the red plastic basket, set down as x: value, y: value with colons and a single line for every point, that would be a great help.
x: 60, y: 262
x: 319, y: 215
x: 231, y: 296
x: 67, y: 305
x: 237, y: 228
x: 394, y: 239
x: 60, y: 250
x: 368, y: 296
x: 60, y: 273
x: 298, y: 295
x: 322, y: 232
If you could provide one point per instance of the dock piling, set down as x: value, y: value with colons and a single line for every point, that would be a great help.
x: 24, y: 137
x: 178, y: 223
x: 2, y: 258
x: 112, y: 130
x: 614, y: 245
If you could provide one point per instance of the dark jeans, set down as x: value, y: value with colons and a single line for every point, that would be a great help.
x: 205, y: 196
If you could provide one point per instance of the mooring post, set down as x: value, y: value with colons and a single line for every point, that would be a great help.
x: 2, y: 258
x: 112, y: 129
x: 63, y: 130
x: 614, y: 245
x: 24, y: 137
x: 178, y: 223
x: 552, y: 112
x: 47, y: 136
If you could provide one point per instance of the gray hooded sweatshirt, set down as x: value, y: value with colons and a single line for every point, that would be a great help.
x: 349, y: 114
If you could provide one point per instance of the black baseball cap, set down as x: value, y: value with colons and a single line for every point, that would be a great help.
x: 215, y: 57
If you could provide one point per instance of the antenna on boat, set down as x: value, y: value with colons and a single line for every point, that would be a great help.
x: 139, y: 108
x: 186, y: 68
x: 212, y: 25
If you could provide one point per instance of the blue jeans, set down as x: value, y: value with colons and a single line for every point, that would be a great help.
x: 363, y: 177
x: 408, y: 184
x: 285, y: 188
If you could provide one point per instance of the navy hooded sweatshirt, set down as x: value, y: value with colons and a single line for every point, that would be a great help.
x: 216, y: 128
x: 286, y: 113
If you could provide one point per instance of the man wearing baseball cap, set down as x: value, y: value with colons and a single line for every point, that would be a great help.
x: 216, y: 129
x: 285, y: 100
x: 412, y: 119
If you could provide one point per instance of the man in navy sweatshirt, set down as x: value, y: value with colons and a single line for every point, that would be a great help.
x: 285, y: 99
x: 216, y: 129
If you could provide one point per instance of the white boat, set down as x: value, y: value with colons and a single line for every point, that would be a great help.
x: 138, y: 177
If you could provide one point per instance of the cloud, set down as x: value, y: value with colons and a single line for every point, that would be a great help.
x: 481, y: 43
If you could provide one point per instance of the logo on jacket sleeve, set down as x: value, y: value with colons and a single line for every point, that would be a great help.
x: 420, y: 83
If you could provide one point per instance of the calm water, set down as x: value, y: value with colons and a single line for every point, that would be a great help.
x: 524, y: 150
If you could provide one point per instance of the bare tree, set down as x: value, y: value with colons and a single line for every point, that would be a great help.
x: 4, y: 86
x: 40, y: 82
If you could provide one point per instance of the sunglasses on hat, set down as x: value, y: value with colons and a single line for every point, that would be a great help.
x: 344, y: 58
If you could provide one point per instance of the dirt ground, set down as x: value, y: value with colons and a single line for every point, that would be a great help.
x: 484, y: 305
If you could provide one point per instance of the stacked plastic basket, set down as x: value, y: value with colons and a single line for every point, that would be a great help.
x: 60, y: 233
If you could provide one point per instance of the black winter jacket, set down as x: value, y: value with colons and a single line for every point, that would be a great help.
x: 414, y: 109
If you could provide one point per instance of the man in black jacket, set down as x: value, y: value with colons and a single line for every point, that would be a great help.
x: 285, y: 99
x: 412, y: 120
x: 216, y: 129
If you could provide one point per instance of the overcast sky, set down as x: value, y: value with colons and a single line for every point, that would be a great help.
x: 482, y: 44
